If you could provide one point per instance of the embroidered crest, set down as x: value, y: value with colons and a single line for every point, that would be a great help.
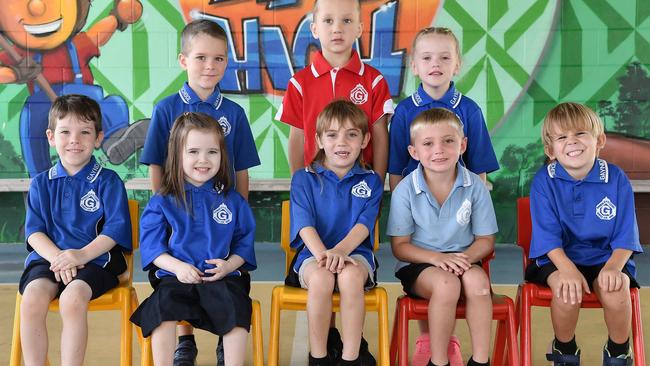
x: 605, y: 210
x: 89, y: 202
x: 222, y: 214
x: 358, y: 95
x: 361, y: 190
x: 464, y: 213
x: 225, y: 126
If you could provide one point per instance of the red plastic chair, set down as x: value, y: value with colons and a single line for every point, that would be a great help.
x: 503, y: 310
x: 529, y: 295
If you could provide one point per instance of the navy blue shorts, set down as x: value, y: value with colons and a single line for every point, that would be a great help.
x: 539, y: 275
x: 99, y: 279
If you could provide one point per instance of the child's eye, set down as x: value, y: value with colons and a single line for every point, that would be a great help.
x: 220, y: 59
x: 327, y: 20
x: 427, y: 143
x: 449, y: 141
x: 85, y: 132
x: 426, y: 58
x: 347, y: 20
x: 214, y: 152
x: 560, y: 138
x: 581, y: 133
x: 200, y: 58
x: 64, y: 132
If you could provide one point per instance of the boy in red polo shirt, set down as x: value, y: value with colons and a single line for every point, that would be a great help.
x: 336, y: 72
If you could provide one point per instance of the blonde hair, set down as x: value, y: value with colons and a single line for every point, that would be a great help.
x: 314, y: 10
x: 443, y: 31
x: 571, y: 116
x: 341, y: 111
x: 173, y: 178
x: 435, y: 116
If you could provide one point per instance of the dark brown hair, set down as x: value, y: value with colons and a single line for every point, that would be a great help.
x: 79, y: 106
x: 201, y: 26
x: 173, y: 179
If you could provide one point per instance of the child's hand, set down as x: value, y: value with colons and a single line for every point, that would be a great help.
x: 456, y: 263
x: 187, y: 273
x: 572, y: 285
x: 66, y: 276
x: 610, y: 279
x: 220, y: 270
x: 321, y: 257
x: 67, y: 259
x: 335, y: 261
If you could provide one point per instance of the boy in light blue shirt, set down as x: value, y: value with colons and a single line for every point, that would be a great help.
x: 442, y: 225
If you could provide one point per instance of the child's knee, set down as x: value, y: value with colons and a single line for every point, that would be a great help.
x: 321, y: 281
x: 352, y: 278
x: 446, y: 289
x: 75, y: 298
x: 37, y: 295
x: 476, y: 283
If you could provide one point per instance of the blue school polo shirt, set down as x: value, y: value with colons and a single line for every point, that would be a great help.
x: 217, y: 226
x: 333, y: 206
x: 588, y: 218
x: 466, y: 212
x: 242, y: 153
x: 73, y: 210
x: 479, y: 156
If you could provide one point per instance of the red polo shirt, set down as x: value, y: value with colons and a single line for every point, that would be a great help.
x: 313, y: 87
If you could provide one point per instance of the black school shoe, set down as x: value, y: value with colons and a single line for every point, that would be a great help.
x: 335, y: 349
x: 621, y: 360
x: 185, y: 354
x: 365, y: 357
x: 560, y: 359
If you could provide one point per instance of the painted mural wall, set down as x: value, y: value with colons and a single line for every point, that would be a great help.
x: 520, y: 58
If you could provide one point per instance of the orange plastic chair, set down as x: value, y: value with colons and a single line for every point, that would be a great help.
x: 530, y: 294
x: 292, y: 298
x: 122, y: 298
x: 503, y: 310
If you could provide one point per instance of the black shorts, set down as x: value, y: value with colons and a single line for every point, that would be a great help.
x: 409, y: 273
x: 99, y: 279
x: 539, y: 275
x: 216, y: 307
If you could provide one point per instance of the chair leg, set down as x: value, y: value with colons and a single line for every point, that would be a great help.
x: 274, y: 331
x: 499, y: 350
x: 403, y: 333
x: 16, y: 347
x: 393, y: 339
x: 511, y: 344
x: 256, y: 325
x: 524, y: 329
x: 126, y: 330
x: 382, y: 324
x: 637, y: 329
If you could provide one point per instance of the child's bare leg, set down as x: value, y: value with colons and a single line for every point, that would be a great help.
x: 163, y: 343
x: 234, y: 346
x: 73, y: 306
x: 443, y: 290
x: 33, y: 312
x: 564, y: 316
x: 353, y: 311
x: 476, y: 288
x: 617, y: 306
x: 320, y: 286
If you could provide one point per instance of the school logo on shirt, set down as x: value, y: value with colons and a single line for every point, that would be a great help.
x: 89, y: 202
x: 605, y: 210
x: 361, y: 190
x: 358, y: 95
x: 464, y: 213
x: 225, y: 126
x: 222, y: 214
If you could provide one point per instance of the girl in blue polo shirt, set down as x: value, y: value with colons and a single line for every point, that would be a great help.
x: 334, y: 205
x: 197, y: 236
x: 584, y: 233
x: 442, y: 225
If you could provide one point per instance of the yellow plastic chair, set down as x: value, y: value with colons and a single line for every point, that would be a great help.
x: 292, y: 298
x: 122, y: 298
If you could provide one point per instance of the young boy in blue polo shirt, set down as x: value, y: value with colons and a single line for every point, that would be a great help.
x: 584, y: 233
x: 77, y: 227
x: 204, y: 55
x: 442, y: 225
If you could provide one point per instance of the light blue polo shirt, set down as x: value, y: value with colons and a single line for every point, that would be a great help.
x: 218, y: 225
x: 466, y: 213
x: 333, y: 206
x: 242, y: 153
x: 588, y: 218
x: 73, y: 210
x: 479, y: 156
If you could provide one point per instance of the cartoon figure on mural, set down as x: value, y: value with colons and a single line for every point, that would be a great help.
x: 43, y: 46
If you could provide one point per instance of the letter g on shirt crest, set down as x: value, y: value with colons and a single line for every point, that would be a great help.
x: 358, y: 95
x: 464, y: 213
x: 605, y: 210
x: 89, y: 202
x: 361, y: 190
x: 222, y: 214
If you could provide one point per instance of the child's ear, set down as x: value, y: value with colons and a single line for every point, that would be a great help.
x: 99, y: 139
x: 182, y: 60
x: 600, y: 142
x: 366, y: 139
x: 549, y: 152
x: 50, y: 137
x: 413, y: 153
x: 312, y: 27
x: 320, y: 145
x: 463, y: 145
